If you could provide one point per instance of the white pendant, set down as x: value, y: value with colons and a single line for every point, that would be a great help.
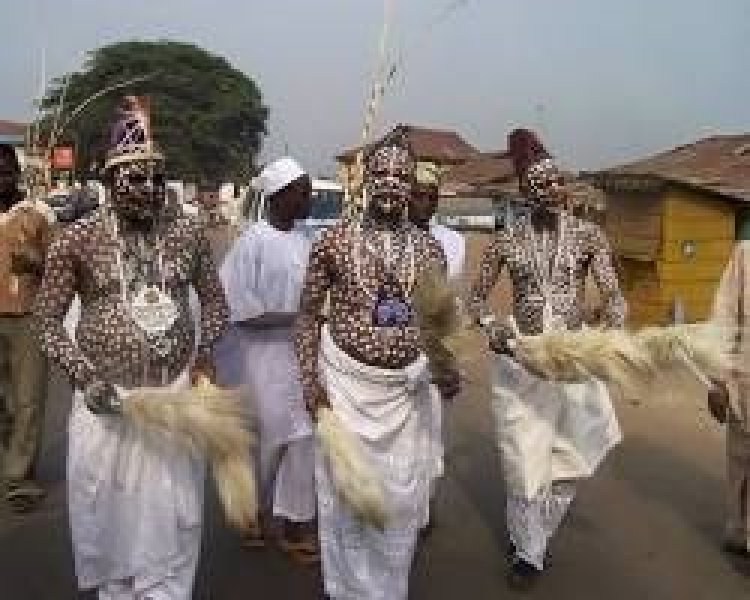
x: 153, y: 310
x: 552, y: 321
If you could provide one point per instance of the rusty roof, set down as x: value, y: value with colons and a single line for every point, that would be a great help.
x: 720, y: 164
x: 427, y: 144
x: 483, y: 168
x: 11, y: 128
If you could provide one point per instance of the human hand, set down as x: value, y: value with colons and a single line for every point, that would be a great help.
x: 317, y: 398
x: 501, y: 339
x: 718, y: 402
x: 101, y: 398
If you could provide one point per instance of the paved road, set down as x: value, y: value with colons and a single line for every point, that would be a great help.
x: 647, y: 527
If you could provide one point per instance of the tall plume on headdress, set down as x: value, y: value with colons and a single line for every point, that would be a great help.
x: 525, y: 149
x: 130, y: 134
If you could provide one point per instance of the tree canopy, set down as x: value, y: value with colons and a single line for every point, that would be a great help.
x: 207, y: 116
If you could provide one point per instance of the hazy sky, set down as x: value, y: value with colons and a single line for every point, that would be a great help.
x: 605, y: 81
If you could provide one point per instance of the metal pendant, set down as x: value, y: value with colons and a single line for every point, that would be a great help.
x: 153, y: 311
x: 391, y: 311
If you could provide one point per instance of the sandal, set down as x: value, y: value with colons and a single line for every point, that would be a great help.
x: 23, y: 496
x: 253, y: 538
x: 304, y: 551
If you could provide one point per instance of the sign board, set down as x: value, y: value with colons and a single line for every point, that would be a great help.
x: 63, y: 158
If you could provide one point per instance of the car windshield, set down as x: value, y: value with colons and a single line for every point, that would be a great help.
x: 326, y: 204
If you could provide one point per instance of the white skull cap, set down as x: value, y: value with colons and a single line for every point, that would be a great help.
x: 277, y: 175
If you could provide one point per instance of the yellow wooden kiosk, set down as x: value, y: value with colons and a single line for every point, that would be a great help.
x: 673, y: 219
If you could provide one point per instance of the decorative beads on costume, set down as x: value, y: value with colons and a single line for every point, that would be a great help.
x: 83, y: 260
x: 584, y: 249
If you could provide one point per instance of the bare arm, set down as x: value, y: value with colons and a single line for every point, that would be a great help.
x: 214, y: 309
x: 310, y: 320
x: 493, y: 260
x: 58, y: 288
x: 613, y: 303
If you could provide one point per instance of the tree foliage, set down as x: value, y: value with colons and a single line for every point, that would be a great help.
x: 207, y: 116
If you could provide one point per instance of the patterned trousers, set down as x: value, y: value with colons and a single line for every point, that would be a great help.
x: 533, y: 522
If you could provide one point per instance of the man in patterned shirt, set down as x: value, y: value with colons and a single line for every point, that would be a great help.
x: 135, y: 500
x: 549, y: 434
x: 366, y: 363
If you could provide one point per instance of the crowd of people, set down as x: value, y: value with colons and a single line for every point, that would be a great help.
x: 304, y: 325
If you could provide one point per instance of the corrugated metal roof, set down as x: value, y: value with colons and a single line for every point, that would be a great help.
x: 720, y: 164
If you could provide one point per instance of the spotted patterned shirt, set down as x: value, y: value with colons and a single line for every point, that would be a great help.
x: 348, y: 267
x: 109, y: 345
x: 580, y: 249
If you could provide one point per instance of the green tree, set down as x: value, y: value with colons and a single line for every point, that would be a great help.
x: 208, y: 117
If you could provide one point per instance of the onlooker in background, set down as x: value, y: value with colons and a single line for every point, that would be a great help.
x: 24, y: 236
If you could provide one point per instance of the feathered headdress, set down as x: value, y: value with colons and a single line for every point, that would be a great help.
x: 130, y: 134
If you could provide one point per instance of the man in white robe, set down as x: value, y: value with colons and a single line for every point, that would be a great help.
x: 729, y: 401
x: 262, y: 275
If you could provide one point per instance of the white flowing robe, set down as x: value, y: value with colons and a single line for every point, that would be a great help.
x: 454, y: 248
x: 135, y: 502
x: 263, y: 275
x: 386, y: 410
x: 548, y: 431
x: 731, y: 312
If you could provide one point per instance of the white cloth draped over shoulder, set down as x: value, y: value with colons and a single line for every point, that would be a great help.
x: 386, y: 410
x: 549, y: 431
x: 263, y: 275
x: 731, y: 314
x: 454, y: 247
x: 135, y: 500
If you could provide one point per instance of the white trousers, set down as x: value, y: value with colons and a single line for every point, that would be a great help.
x: 263, y: 360
x: 177, y: 585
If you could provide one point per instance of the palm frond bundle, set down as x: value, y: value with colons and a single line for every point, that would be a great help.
x: 436, y: 307
x: 608, y: 354
x: 210, y: 421
x: 355, y: 480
